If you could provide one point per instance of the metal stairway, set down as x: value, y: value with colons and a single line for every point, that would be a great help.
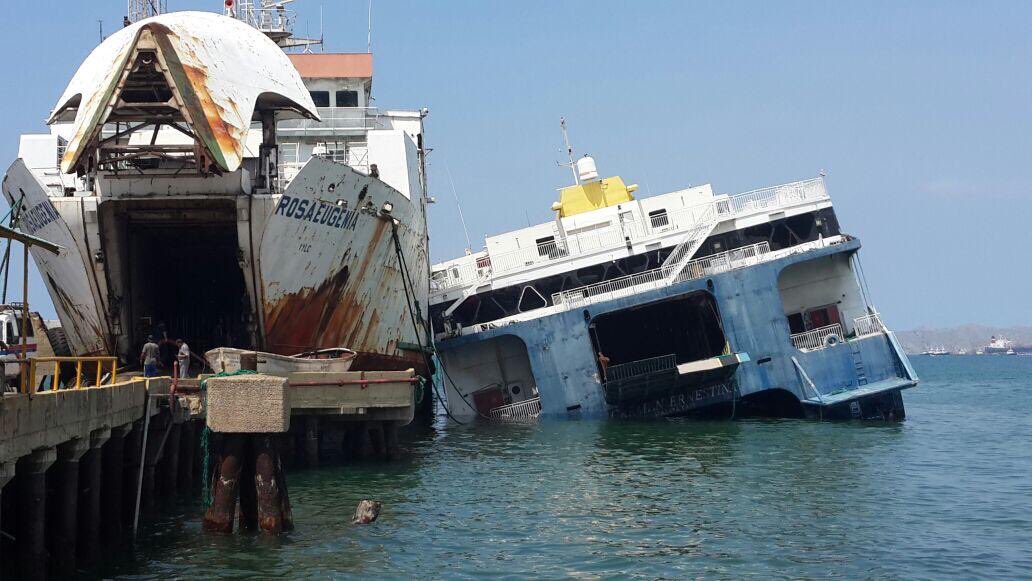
x: 690, y: 243
x: 858, y: 364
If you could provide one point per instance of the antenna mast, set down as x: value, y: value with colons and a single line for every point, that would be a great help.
x: 469, y: 245
x: 569, y: 152
x: 369, y: 29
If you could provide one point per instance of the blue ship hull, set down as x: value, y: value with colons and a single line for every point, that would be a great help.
x: 856, y: 378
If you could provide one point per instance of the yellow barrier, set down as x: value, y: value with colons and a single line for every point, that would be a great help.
x: 101, y: 361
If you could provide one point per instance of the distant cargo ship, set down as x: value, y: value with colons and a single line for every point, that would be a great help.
x: 1004, y: 346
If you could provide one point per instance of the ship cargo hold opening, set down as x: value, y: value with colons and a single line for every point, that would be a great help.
x: 655, y: 349
x: 178, y: 264
x: 687, y: 327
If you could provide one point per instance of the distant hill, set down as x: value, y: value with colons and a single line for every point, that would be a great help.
x: 970, y: 337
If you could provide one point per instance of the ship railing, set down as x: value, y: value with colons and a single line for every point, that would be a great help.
x: 775, y: 197
x: 656, y: 278
x: 266, y: 19
x: 357, y: 158
x: 523, y: 257
x: 868, y: 325
x: 641, y: 367
x: 335, y: 119
x: 617, y: 235
x: 527, y: 409
x: 459, y: 276
x: 725, y: 261
x: 819, y: 338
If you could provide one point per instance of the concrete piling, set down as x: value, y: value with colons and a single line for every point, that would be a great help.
x: 312, y: 441
x: 361, y: 444
x: 31, y: 532
x: 170, y: 461
x: 158, y: 434
x: 187, y: 450
x: 131, y: 467
x: 111, y: 499
x: 66, y: 489
x: 390, y: 432
x: 248, y: 495
x: 376, y: 437
x: 89, y: 497
x: 7, y: 471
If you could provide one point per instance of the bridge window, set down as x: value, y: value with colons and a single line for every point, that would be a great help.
x: 547, y: 247
x: 320, y: 98
x: 347, y: 98
x: 659, y: 218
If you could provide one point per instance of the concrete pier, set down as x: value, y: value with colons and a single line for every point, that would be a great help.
x: 102, y: 452
x: 70, y: 445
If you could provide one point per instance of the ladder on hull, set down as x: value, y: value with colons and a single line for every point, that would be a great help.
x: 690, y: 243
x: 858, y: 364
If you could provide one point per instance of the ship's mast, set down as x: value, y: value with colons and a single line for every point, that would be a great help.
x: 569, y: 151
x: 141, y: 9
x: 272, y: 18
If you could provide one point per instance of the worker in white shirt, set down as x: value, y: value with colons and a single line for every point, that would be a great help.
x: 184, y: 358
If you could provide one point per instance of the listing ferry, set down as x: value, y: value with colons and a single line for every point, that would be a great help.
x: 685, y: 303
x: 205, y: 183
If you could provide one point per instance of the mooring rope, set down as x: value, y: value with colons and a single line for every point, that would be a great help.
x: 406, y: 281
x: 206, y: 498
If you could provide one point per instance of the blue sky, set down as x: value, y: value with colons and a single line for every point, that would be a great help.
x: 919, y: 113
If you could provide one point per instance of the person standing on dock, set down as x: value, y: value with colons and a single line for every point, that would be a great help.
x: 184, y: 358
x: 149, y: 357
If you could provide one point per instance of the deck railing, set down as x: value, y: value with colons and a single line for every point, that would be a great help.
x: 641, y: 367
x: 682, y: 219
x: 815, y: 339
x: 527, y: 409
x: 656, y: 278
x: 333, y: 119
x: 776, y: 196
x: 868, y: 325
x: 459, y: 276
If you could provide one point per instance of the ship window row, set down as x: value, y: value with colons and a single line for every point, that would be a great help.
x: 340, y: 98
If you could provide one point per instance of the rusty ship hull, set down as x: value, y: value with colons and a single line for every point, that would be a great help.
x: 163, y: 179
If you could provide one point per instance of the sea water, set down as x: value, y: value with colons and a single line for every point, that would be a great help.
x: 946, y: 493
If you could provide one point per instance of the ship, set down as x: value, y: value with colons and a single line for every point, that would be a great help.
x: 205, y: 182
x: 1004, y: 346
x: 688, y: 303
